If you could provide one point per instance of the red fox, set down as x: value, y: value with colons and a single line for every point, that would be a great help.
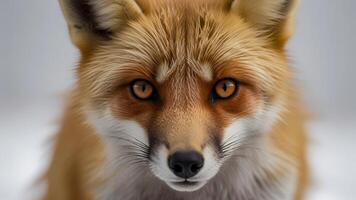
x: 180, y: 99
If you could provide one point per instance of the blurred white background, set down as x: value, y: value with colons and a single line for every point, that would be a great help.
x: 36, y: 68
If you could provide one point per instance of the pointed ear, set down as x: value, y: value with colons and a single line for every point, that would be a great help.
x: 274, y: 18
x: 92, y: 20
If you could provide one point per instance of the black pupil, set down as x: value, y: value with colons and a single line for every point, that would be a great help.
x: 224, y: 87
x: 143, y: 87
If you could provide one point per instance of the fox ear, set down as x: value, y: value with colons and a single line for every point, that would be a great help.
x: 272, y: 17
x: 92, y: 20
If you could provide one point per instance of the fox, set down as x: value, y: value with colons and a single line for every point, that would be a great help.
x: 178, y: 99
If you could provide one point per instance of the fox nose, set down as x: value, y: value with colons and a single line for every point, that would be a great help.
x: 185, y: 164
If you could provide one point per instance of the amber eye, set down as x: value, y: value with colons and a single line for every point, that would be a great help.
x: 226, y: 88
x: 142, y: 89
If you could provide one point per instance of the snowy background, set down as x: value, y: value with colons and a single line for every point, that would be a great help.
x: 36, y: 68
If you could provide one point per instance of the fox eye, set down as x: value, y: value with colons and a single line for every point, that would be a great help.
x: 226, y: 88
x: 142, y: 89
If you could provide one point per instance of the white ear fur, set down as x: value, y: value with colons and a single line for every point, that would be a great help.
x: 91, y: 19
x: 275, y: 17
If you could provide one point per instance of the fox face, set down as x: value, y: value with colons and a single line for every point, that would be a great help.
x: 177, y: 89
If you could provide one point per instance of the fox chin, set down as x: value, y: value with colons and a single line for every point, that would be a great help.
x: 179, y: 99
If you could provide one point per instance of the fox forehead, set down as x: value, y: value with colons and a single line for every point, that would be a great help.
x: 183, y: 43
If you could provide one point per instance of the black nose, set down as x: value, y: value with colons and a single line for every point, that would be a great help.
x: 185, y: 164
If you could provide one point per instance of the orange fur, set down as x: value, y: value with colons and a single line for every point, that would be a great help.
x: 180, y: 41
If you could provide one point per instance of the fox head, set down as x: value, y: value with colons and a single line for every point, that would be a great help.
x: 177, y: 88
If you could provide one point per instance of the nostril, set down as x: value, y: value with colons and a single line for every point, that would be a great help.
x: 195, y: 168
x: 178, y: 168
x: 185, y: 164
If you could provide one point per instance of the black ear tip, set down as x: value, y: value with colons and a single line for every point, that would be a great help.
x: 82, y: 10
x: 84, y: 14
x: 77, y: 26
